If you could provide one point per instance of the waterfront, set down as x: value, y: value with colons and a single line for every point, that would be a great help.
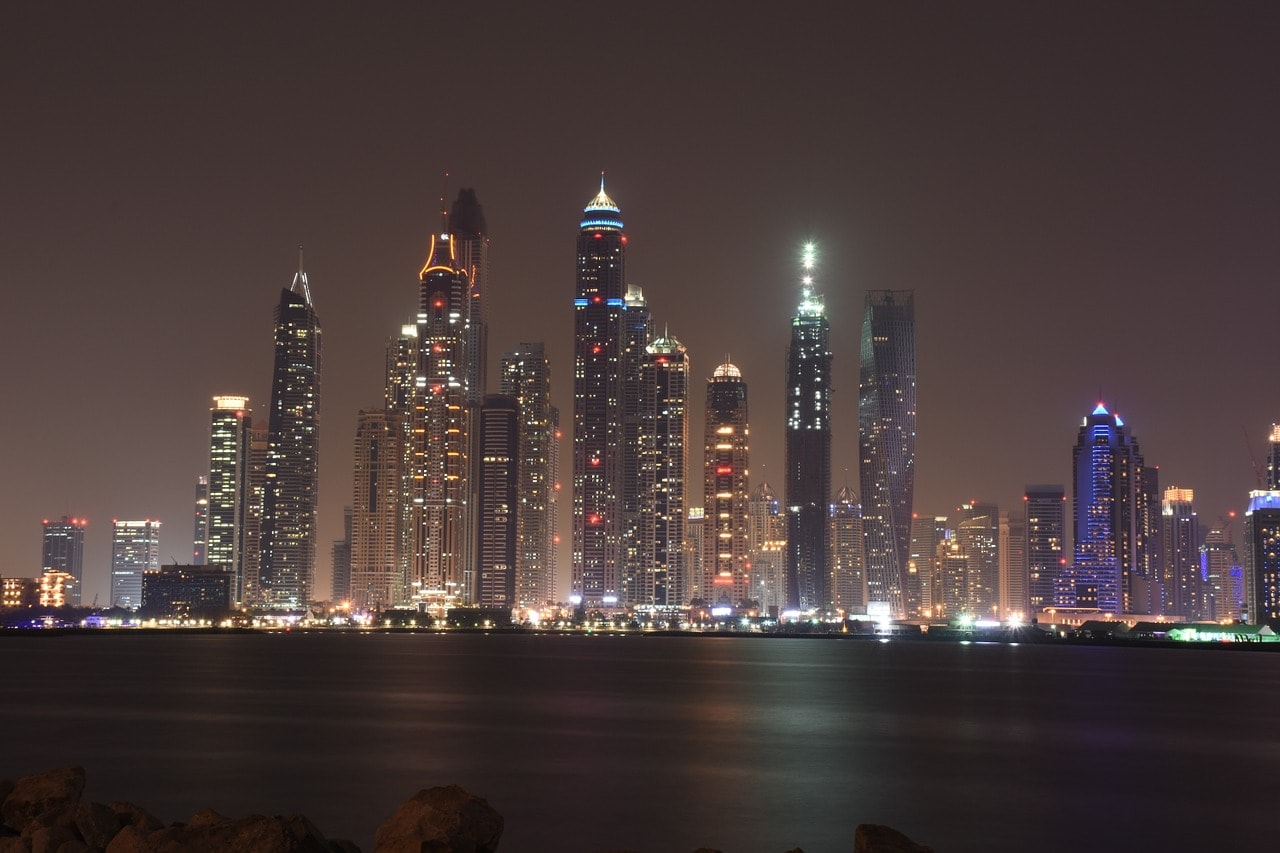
x: 657, y: 744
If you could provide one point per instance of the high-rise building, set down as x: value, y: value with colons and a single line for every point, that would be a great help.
x: 441, y: 440
x: 497, y: 489
x: 526, y: 376
x: 200, y: 535
x: 598, y: 309
x: 848, y: 580
x: 340, y: 560
x: 767, y: 549
x: 1108, y: 518
x: 1217, y: 557
x: 637, y: 543
x: 695, y: 545
x: 230, y: 493
x: 377, y: 566
x: 135, y: 548
x: 1180, y: 536
x: 726, y: 489
x: 887, y: 439
x: 922, y: 584
x: 656, y: 576
x: 1014, y: 599
x: 470, y: 236
x: 287, y: 533
x: 553, y: 506
x: 1262, y: 543
x: 978, y: 529
x: 1045, y: 547
x: 808, y: 448
x: 62, y: 551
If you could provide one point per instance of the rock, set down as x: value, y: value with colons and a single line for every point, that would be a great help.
x: 342, y: 845
x: 128, y: 840
x: 441, y: 820
x: 76, y: 846
x: 210, y: 832
x: 47, y: 839
x: 207, y: 817
x: 136, y: 816
x: 6, y: 788
x: 878, y: 838
x: 96, y: 824
x: 34, y: 795
x: 13, y: 844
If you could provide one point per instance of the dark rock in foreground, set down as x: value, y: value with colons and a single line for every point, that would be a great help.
x: 43, y: 813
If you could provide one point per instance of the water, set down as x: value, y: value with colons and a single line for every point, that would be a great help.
x: 666, y: 743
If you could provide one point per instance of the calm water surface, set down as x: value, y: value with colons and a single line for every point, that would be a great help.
x: 666, y: 744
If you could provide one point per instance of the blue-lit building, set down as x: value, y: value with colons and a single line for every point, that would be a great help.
x: 887, y: 441
x: 808, y: 450
x: 1111, y: 521
x: 598, y: 320
x: 1262, y: 544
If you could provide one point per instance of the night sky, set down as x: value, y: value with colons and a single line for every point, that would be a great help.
x: 1085, y: 198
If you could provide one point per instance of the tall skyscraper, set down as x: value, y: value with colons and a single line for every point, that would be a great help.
x: 887, y: 439
x: 200, y: 535
x: 657, y: 576
x: 978, y: 529
x: 808, y: 448
x: 526, y: 376
x: 62, y: 551
x: 598, y: 311
x: 726, y: 490
x: 1180, y: 536
x: 135, y: 548
x: 498, y: 475
x: 767, y: 549
x: 637, y: 543
x: 1014, y: 599
x: 470, y: 236
x: 921, y: 590
x: 230, y: 493
x: 848, y: 580
x: 287, y: 535
x: 441, y: 439
x: 1110, y: 485
x: 1262, y: 543
x: 1217, y: 557
x: 377, y: 567
x: 340, y: 560
x: 1046, y: 547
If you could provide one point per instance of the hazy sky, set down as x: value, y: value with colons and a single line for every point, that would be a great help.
x: 1085, y: 198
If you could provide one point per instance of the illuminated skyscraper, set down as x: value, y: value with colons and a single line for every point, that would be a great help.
x: 978, y: 529
x: 1262, y: 544
x: 1108, y: 518
x: 657, y: 577
x: 470, y: 236
x: 526, y: 376
x: 767, y: 548
x: 599, y: 310
x: 1046, y: 548
x: 1014, y: 600
x: 340, y: 560
x: 440, y: 455
x: 1217, y: 558
x: 287, y: 535
x: 726, y: 489
x: 887, y: 439
x: 637, y: 334
x: 922, y: 590
x: 200, y: 535
x: 498, y: 480
x: 808, y: 448
x: 848, y: 581
x: 1182, y: 581
x: 62, y: 552
x: 231, y: 513
x: 377, y: 569
x: 135, y: 548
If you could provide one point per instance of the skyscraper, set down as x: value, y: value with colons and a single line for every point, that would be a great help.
x: 978, y: 529
x: 377, y: 569
x: 470, y: 236
x: 1014, y: 599
x: 597, y: 404
x: 340, y: 560
x: 440, y: 456
x: 135, y: 548
x: 637, y: 543
x: 1217, y: 557
x: 1180, y: 536
x: 62, y: 551
x: 726, y: 489
x: 230, y: 494
x: 1046, y: 548
x: 657, y: 576
x: 1107, y: 517
x: 200, y: 535
x: 1262, y: 543
x: 887, y: 438
x: 287, y: 534
x: 922, y: 590
x: 526, y: 376
x: 766, y: 548
x: 498, y: 475
x: 848, y: 580
x: 808, y: 448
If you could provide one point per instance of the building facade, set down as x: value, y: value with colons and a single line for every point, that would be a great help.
x: 378, y: 579
x: 526, y: 375
x: 1045, y: 506
x: 726, y: 495
x: 887, y: 440
x: 62, y: 551
x: 231, y: 511
x: 848, y: 579
x: 135, y: 548
x: 497, y: 500
x: 1182, y: 582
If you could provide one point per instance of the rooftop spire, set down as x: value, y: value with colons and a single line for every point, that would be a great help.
x: 300, y: 285
x: 810, y: 302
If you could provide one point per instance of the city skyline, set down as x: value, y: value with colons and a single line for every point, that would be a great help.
x: 1146, y: 188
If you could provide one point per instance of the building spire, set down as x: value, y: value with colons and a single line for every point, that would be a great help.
x: 300, y: 285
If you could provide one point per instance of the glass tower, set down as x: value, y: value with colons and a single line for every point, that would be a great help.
x: 726, y: 489
x: 135, y: 548
x: 1045, y: 506
x: 287, y: 532
x: 887, y: 440
x: 526, y: 376
x: 230, y: 514
x: 808, y: 449
x: 63, y: 551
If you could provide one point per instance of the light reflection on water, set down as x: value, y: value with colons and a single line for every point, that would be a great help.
x: 663, y: 744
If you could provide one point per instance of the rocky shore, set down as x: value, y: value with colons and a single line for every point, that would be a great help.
x: 44, y: 813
